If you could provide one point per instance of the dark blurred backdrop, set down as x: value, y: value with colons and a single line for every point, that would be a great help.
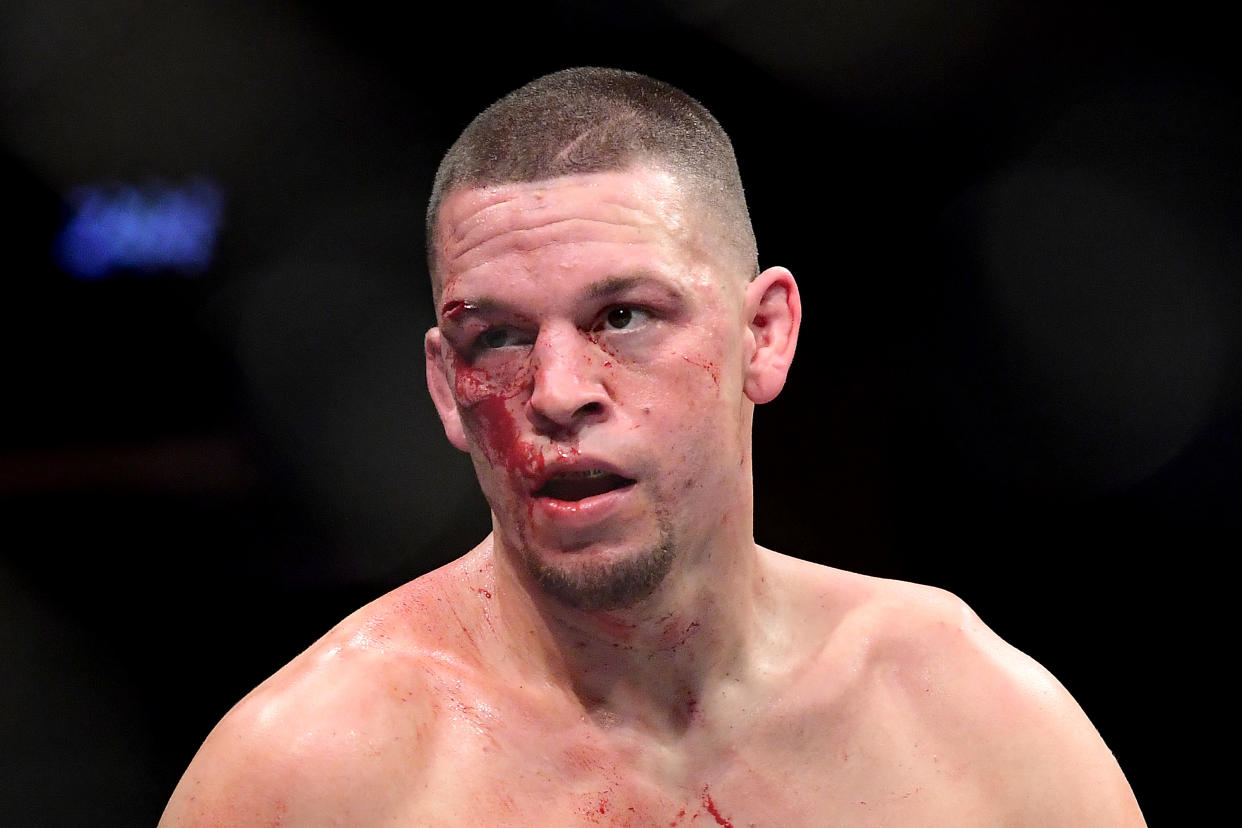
x: 1015, y: 225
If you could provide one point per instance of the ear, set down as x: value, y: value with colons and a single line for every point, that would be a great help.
x: 441, y: 389
x: 773, y: 311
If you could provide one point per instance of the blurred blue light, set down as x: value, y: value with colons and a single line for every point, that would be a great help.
x: 152, y: 229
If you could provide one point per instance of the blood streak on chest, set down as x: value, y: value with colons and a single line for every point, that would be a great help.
x: 713, y: 810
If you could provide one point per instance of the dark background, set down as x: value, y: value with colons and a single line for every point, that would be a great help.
x: 1015, y: 226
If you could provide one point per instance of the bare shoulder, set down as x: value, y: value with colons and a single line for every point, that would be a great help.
x: 359, y: 704
x: 935, y: 672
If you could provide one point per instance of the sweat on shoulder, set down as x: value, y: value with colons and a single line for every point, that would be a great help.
x: 619, y: 650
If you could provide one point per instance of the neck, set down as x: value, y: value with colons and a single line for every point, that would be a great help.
x: 657, y: 665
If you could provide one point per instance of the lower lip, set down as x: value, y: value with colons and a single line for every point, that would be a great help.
x: 572, y: 514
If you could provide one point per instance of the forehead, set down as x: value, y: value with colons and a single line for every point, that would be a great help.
x: 605, y: 212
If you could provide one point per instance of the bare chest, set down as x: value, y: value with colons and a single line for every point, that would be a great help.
x: 773, y: 773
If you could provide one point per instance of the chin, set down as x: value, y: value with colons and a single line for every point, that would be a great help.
x: 601, y: 582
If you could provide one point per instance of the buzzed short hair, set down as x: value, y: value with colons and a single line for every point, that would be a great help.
x: 591, y: 119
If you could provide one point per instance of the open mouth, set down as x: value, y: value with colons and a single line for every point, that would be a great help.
x: 578, y: 485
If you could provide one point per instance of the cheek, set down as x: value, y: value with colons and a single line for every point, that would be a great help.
x: 699, y: 407
x: 712, y: 353
x: 489, y: 401
x: 707, y: 369
x: 473, y: 385
x: 635, y: 359
x: 494, y: 427
x: 706, y: 365
x: 675, y: 413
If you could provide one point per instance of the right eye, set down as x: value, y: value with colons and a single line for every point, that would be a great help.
x: 500, y: 337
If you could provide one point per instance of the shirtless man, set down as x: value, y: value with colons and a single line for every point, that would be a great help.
x: 619, y: 651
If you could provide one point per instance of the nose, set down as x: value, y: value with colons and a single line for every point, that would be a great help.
x: 568, y: 391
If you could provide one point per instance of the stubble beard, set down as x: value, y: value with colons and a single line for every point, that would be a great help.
x: 613, y: 585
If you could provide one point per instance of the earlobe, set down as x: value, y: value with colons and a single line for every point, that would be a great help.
x: 774, y: 314
x: 441, y: 391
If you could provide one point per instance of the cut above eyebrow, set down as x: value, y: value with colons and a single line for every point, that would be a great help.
x: 459, y: 310
x: 455, y: 308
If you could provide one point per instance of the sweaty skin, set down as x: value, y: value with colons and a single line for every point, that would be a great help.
x: 619, y: 651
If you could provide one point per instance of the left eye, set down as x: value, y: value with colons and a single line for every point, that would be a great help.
x: 622, y: 317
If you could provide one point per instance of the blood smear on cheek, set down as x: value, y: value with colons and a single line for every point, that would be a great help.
x: 471, y: 385
x: 502, y: 443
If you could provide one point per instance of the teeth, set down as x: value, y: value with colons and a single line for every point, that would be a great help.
x: 581, y: 484
x: 582, y: 475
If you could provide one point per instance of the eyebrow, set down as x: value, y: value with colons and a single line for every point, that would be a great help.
x: 457, y: 311
x: 617, y: 285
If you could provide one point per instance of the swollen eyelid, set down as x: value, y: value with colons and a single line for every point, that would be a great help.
x: 500, y: 337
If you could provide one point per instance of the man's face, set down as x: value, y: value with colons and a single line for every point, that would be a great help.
x: 591, y: 356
